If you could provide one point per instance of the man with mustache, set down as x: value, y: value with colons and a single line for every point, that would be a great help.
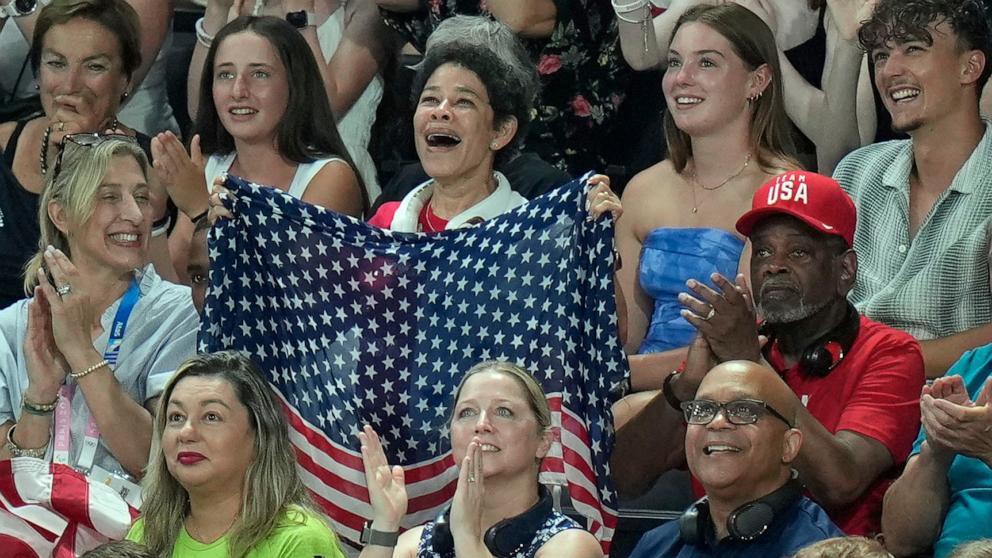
x: 925, y: 204
x: 856, y: 382
x: 740, y: 443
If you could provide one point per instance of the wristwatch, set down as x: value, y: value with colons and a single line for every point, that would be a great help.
x: 378, y: 538
x: 301, y: 19
x: 18, y: 8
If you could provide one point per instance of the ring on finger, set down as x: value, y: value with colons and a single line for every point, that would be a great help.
x: 63, y: 290
x: 709, y: 316
x: 471, y: 478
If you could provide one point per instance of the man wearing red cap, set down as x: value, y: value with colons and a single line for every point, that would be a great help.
x: 856, y: 382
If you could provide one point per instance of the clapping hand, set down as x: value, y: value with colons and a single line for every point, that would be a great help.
x: 726, y: 318
x: 46, y: 367
x: 387, y: 485
x: 181, y: 173
x: 71, y: 312
x: 955, y: 424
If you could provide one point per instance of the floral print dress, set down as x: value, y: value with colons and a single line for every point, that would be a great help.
x: 583, y: 76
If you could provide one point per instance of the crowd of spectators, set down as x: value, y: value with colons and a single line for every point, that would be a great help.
x: 801, y: 268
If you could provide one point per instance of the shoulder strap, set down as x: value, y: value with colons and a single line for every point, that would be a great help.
x: 11, y: 147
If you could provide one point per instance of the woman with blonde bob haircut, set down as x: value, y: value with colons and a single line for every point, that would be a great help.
x: 101, y: 331
x: 500, y: 432
x: 208, y: 492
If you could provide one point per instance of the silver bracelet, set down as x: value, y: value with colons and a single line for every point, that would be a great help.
x: 623, y: 9
x: 202, y: 36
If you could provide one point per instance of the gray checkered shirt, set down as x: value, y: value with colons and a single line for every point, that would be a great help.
x: 937, y: 283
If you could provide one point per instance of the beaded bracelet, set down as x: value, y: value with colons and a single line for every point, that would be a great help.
x: 40, y: 409
x: 95, y: 367
x: 17, y: 451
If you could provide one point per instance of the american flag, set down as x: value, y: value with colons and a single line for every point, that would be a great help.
x: 356, y: 325
x: 48, y: 509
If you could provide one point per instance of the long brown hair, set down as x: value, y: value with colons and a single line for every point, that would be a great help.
x: 753, y: 42
x: 273, y: 492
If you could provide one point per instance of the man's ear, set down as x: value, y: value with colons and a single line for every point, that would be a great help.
x: 792, y: 440
x: 974, y: 64
x: 503, y: 134
x: 848, y: 262
x: 57, y: 213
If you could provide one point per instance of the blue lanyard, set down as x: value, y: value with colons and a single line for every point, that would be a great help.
x: 120, y: 322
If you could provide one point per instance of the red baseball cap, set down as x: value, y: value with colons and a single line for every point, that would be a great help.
x: 812, y: 198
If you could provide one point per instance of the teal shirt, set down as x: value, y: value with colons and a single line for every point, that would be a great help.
x: 970, y: 479
x: 300, y: 533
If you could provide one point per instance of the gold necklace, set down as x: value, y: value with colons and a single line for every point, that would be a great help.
x: 196, y: 535
x: 693, y: 181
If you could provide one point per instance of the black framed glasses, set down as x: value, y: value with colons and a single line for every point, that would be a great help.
x: 742, y: 411
x: 86, y: 140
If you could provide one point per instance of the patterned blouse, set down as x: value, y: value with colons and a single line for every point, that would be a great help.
x: 583, y: 75
x: 556, y: 523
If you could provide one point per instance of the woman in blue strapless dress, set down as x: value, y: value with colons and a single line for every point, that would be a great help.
x: 669, y: 257
x: 727, y: 133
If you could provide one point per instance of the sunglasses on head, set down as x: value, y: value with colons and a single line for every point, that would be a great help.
x: 740, y: 412
x: 86, y: 140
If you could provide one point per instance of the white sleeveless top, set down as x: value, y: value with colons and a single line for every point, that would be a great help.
x: 355, y: 126
x: 219, y: 164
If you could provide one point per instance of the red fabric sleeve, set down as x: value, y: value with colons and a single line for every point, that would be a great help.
x: 383, y: 217
x: 885, y: 404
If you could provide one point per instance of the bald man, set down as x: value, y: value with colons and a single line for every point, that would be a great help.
x: 740, y: 442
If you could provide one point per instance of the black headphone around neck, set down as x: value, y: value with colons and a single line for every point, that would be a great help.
x: 828, y: 350
x: 506, y: 538
x: 747, y: 522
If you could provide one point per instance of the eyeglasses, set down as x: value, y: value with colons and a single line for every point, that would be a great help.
x: 86, y: 140
x: 743, y: 411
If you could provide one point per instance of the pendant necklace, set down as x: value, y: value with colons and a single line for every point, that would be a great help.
x: 693, y: 182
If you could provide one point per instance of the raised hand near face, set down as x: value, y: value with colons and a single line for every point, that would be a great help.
x: 46, y: 367
x: 466, y: 507
x: 725, y: 317
x: 71, y: 312
x: 387, y: 485
x: 181, y: 173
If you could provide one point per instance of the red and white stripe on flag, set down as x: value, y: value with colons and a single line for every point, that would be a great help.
x: 336, y: 478
x: 53, y: 510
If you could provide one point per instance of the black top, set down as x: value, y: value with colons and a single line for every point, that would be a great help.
x: 18, y: 225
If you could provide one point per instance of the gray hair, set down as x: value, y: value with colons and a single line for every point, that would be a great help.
x: 493, y: 52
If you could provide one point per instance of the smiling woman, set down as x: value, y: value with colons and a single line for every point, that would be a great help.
x: 210, y: 494
x: 500, y: 431
x: 269, y: 122
x: 473, y: 108
x: 727, y: 134
x: 85, y: 54
x: 87, y: 355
